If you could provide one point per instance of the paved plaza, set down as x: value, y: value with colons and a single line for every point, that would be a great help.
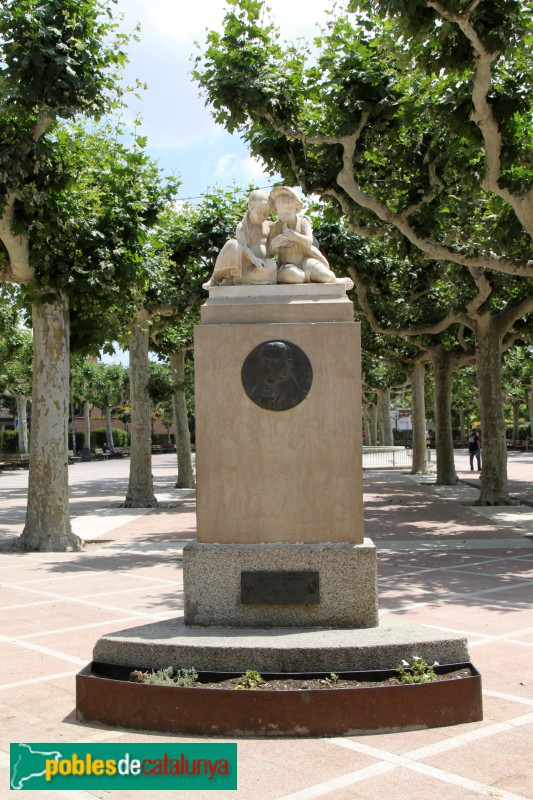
x: 441, y: 563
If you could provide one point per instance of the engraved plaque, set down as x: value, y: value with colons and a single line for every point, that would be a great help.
x: 277, y: 375
x: 282, y: 587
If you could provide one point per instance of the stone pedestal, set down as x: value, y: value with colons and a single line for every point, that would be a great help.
x: 243, y: 586
x: 279, y: 489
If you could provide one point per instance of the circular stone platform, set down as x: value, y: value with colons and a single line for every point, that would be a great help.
x: 171, y: 642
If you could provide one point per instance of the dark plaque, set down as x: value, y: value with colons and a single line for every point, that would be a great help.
x: 281, y: 588
x: 277, y: 375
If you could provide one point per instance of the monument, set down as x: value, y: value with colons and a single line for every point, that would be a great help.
x: 281, y: 577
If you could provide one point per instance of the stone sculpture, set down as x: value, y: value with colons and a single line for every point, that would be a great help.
x: 245, y: 259
x: 250, y: 258
x: 291, y: 239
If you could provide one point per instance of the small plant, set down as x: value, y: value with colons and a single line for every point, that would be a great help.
x: 186, y: 677
x: 333, y: 678
x: 418, y: 671
x: 166, y: 677
x: 251, y: 679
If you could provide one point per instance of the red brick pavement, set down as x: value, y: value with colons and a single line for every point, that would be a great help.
x: 440, y: 563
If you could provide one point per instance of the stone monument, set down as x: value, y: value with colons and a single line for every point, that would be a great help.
x: 281, y: 577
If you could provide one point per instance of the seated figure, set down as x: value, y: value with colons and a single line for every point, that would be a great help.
x: 245, y: 259
x: 291, y: 239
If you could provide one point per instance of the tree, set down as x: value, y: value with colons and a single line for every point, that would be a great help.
x: 16, y: 352
x: 95, y: 384
x: 189, y: 238
x: 417, y: 125
x: 74, y: 207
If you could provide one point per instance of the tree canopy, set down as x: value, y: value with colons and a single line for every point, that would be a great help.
x: 414, y: 116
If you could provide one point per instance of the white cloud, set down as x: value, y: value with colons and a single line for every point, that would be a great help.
x: 178, y: 126
x: 224, y: 165
x: 254, y: 170
x: 184, y: 21
x: 242, y: 170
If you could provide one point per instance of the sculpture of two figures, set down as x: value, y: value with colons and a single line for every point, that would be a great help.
x: 250, y: 258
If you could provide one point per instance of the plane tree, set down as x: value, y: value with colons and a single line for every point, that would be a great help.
x: 518, y: 381
x: 186, y: 242
x: 16, y: 355
x: 413, y: 118
x: 74, y: 207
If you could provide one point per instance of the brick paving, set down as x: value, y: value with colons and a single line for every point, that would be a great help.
x: 441, y: 563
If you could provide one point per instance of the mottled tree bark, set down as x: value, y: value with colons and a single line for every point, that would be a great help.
x: 387, y: 437
x: 494, y: 487
x: 366, y: 423
x: 442, y: 370
x: 109, y: 425
x: 516, y: 419
x: 86, y: 452
x: 418, y: 418
x: 183, y: 438
x: 374, y: 423
x: 141, y: 486
x: 22, y: 414
x: 47, y: 525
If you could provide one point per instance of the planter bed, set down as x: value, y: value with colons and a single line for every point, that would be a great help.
x: 366, y: 702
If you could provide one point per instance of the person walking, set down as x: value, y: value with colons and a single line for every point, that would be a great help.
x: 474, y: 449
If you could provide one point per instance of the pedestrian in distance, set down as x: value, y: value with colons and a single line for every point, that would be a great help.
x: 474, y: 449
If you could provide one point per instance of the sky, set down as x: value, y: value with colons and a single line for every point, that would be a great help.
x: 181, y: 133
x: 182, y: 136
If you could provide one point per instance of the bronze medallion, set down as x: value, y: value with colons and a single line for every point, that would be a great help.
x: 277, y: 375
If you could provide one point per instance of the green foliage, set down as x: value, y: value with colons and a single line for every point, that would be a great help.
x: 167, y: 677
x: 418, y: 671
x: 251, y: 679
x: 399, y: 75
x: 99, y: 437
x: 9, y: 441
x: 80, y: 440
x: 57, y: 56
x: 16, y: 353
x: 102, y: 385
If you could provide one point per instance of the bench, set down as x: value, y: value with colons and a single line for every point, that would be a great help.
x: 72, y: 459
x: 100, y: 455
x: 118, y: 452
x: 14, y: 460
x: 517, y: 444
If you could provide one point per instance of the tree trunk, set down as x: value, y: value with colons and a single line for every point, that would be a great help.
x: 380, y: 437
x: 86, y: 452
x: 183, y: 438
x: 47, y: 525
x: 388, y: 438
x: 462, y: 426
x: 442, y: 370
x: 516, y: 419
x: 109, y: 425
x: 366, y: 422
x: 141, y: 486
x: 494, y: 488
x: 374, y: 423
x: 530, y: 409
x: 22, y: 414
x: 418, y: 417
x: 73, y: 428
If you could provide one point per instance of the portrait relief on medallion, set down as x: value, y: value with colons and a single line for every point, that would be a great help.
x: 277, y: 375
